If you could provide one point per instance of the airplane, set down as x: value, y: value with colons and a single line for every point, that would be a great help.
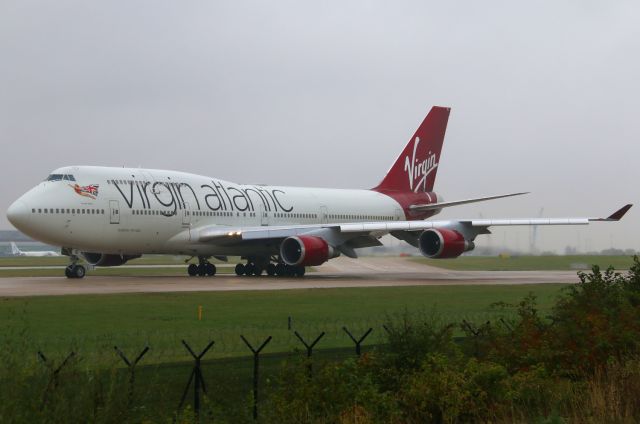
x: 35, y: 253
x: 108, y: 216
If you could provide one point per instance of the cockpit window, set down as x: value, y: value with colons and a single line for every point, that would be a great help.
x: 60, y: 177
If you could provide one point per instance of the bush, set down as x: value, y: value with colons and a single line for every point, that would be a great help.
x: 338, y: 392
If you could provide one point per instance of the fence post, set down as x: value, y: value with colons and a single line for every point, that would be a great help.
x: 256, y: 353
x: 132, y: 369
x: 476, y: 334
x: 196, y: 374
x: 309, y: 349
x: 506, y: 324
x: 53, y: 378
x: 358, y: 342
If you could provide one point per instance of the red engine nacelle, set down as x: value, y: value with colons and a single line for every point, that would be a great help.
x: 306, y: 251
x: 102, y: 259
x: 443, y: 243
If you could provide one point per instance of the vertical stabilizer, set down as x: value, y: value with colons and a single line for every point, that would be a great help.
x: 416, y: 167
x: 14, y: 250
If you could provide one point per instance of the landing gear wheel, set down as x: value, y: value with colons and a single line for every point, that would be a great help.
x: 67, y: 271
x: 249, y: 269
x: 290, y: 271
x: 210, y: 269
x: 281, y: 270
x: 271, y: 270
x: 192, y: 270
x: 239, y: 270
x: 202, y: 270
x: 299, y: 271
x: 78, y: 271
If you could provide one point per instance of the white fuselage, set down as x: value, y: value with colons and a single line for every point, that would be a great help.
x: 37, y: 254
x: 137, y: 211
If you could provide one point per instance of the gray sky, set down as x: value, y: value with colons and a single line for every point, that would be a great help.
x: 545, y: 97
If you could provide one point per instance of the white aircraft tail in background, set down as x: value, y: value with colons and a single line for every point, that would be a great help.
x: 17, y: 252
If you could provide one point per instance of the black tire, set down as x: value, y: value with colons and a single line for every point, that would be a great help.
x: 239, y: 270
x: 211, y: 269
x: 249, y: 269
x: 68, y: 271
x: 300, y: 270
x: 257, y: 270
x: 281, y: 270
x: 192, y: 270
x: 79, y: 271
x: 202, y: 271
x: 271, y: 270
x: 290, y: 271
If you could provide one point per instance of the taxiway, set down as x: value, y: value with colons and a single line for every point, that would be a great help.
x: 340, y: 272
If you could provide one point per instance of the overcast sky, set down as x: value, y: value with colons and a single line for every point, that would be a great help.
x: 545, y: 97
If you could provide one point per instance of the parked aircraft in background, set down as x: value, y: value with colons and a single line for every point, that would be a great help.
x: 108, y: 216
x: 17, y: 252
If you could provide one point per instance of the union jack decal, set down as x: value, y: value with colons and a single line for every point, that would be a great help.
x: 90, y: 191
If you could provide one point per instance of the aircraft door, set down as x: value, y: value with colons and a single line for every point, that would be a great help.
x: 264, y: 215
x: 186, y: 215
x: 114, y: 212
x: 324, y: 215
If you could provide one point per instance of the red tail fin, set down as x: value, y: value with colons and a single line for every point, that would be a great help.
x: 416, y: 167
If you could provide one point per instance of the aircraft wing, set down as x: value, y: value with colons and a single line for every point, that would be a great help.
x: 367, y: 233
x: 440, y: 205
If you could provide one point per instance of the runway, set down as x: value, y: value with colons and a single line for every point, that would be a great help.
x: 340, y: 272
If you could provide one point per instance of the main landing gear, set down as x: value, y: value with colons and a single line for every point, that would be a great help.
x: 256, y: 268
x: 74, y: 270
x: 202, y: 269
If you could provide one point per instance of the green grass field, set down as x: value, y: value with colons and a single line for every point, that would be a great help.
x: 95, y: 323
x: 92, y: 325
x: 528, y: 263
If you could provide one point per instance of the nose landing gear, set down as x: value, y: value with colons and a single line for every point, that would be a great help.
x: 202, y: 269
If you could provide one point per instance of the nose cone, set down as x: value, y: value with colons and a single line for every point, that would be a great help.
x: 18, y: 214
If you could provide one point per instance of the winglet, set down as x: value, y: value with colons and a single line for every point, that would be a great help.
x: 617, y: 215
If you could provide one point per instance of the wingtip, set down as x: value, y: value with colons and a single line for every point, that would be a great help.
x: 617, y: 215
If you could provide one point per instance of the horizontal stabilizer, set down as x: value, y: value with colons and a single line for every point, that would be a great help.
x: 440, y: 205
x: 616, y: 216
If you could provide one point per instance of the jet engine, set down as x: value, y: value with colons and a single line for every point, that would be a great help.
x: 442, y: 243
x: 103, y: 259
x: 306, y: 251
